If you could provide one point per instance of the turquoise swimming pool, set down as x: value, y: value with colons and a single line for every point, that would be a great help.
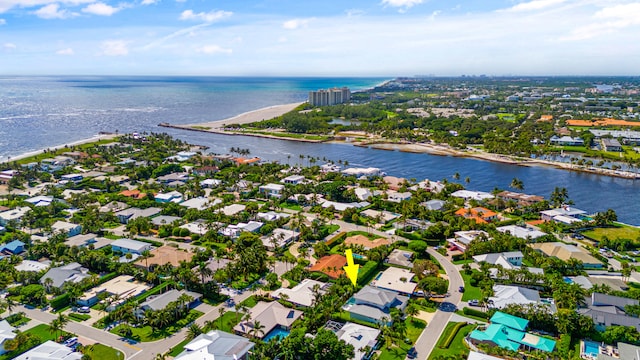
x: 591, y: 348
x: 277, y: 332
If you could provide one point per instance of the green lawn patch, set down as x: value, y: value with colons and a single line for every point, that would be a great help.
x: 176, y: 350
x: 79, y: 317
x: 102, y: 352
x: 228, y: 321
x: 470, y: 292
x: 291, y: 206
x: 250, y: 301
x: 614, y: 232
x: 400, y: 349
x: 147, y: 333
x: 456, y: 349
x: 41, y: 332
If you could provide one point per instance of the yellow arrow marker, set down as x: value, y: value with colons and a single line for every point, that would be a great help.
x: 351, y: 268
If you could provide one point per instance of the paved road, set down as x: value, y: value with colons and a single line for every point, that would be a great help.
x: 430, y: 335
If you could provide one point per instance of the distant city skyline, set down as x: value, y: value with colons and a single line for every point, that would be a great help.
x: 319, y: 38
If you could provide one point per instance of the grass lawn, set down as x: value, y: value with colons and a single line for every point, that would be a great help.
x: 228, y: 321
x: 290, y: 206
x: 250, y: 301
x: 99, y: 351
x: 41, y: 331
x: 176, y: 350
x: 147, y: 333
x: 399, y: 351
x: 460, y: 262
x: 457, y: 349
x: 470, y: 292
x: 614, y: 232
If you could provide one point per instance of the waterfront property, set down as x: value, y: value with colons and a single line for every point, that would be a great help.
x: 218, y: 345
x: 565, y: 252
x: 509, y: 332
x: 527, y: 233
x: 479, y: 214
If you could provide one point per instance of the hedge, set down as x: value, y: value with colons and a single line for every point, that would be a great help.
x: 79, y: 317
x: 454, y: 331
x: 60, y: 301
x: 337, y: 238
x: 476, y: 313
x: 367, y: 271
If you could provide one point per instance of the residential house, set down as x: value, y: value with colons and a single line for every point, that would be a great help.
x: 364, y: 339
x: 628, y: 137
x: 200, y: 203
x: 519, y: 198
x: 565, y: 214
x: 624, y: 351
x: 472, y: 195
x: 400, y: 258
x: 129, y: 214
x: 393, y: 182
x: 473, y: 355
x: 374, y: 305
x: 13, y: 215
x: 382, y: 217
x: 338, y: 206
x: 113, y: 206
x: 5, y: 177
x: 272, y: 216
x: 398, y: 197
x: 566, y: 141
x: 364, y: 241
x: 303, y: 293
x: 30, y: 265
x: 397, y: 280
x: 165, y: 220
x: 216, y: 345
x: 40, y: 200
x: 160, y: 302
x: 164, y: 255
x: 67, y: 228
x: 509, y: 332
x: 270, y: 315
x: 431, y: 186
x: 232, y: 209
x: 508, y: 260
x: 526, y: 233
x: 122, y: 287
x: 280, y: 238
x: 210, y: 183
x: 14, y: 247
x: 362, y: 172
x: 462, y: 239
x: 293, y: 180
x: 170, y: 197
x: 128, y: 246
x: 330, y: 265
x: 607, y: 310
x: 434, y: 205
x: 611, y: 145
x: 134, y: 194
x: 174, y: 179
x: 7, y: 332
x: 565, y: 252
x: 72, y: 272
x: 504, y: 295
x: 479, y: 214
x: 205, y: 170
x: 271, y: 190
x: 85, y: 240
x: 75, y: 178
x: 50, y: 350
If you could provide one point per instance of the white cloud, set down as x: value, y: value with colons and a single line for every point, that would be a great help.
x: 52, y: 11
x: 402, y: 3
x: 295, y: 23
x: 67, y: 51
x: 534, y: 5
x: 606, y: 21
x: 101, y: 9
x: 9, y: 4
x: 3, y: 22
x: 149, y: 2
x: 213, y: 49
x: 114, y: 48
x: 9, y: 46
x: 209, y: 17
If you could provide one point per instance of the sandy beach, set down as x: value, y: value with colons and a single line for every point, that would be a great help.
x: 266, y: 113
x: 37, y: 152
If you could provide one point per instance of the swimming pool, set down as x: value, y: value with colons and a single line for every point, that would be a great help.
x: 591, y: 348
x: 277, y: 332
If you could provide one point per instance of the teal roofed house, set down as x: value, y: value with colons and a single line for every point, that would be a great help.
x: 508, y: 332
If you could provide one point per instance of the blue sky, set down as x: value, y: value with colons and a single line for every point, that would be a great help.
x: 320, y: 38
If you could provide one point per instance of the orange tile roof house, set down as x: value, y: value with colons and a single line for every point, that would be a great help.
x: 136, y: 194
x: 165, y: 255
x: 365, y: 242
x: 330, y: 265
x: 602, y: 122
x: 479, y: 214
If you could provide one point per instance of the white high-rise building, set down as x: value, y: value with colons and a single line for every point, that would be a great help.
x: 329, y: 97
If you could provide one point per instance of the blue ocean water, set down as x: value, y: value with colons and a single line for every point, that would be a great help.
x: 40, y: 112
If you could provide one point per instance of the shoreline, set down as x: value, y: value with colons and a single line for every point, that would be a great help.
x: 94, y: 138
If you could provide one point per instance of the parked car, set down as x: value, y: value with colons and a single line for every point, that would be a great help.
x: 473, y: 302
x: 71, y: 341
x: 412, y: 353
x: 461, y: 289
x: 84, y: 310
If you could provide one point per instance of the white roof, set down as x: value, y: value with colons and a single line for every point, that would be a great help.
x: 521, y: 232
x: 30, y: 265
x: 361, y: 171
x: 504, y: 295
x: 475, y: 195
x: 277, y: 187
x: 169, y: 196
x: 300, y: 294
x: 210, y: 182
x: 196, y: 227
x: 130, y: 244
x: 359, y: 336
x: 63, y: 226
x: 390, y: 279
x: 233, y: 209
x: 6, y: 331
x: 14, y: 214
x: 200, y: 203
x: 50, y: 351
x: 293, y: 178
x: 480, y: 356
x: 216, y: 345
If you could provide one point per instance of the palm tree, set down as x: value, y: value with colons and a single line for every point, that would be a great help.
x: 258, y: 330
x: 193, y: 331
x: 517, y: 184
x: 54, y: 327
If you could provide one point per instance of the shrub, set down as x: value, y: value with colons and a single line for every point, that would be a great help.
x: 337, y: 238
x: 454, y: 331
x: 60, y: 301
x: 476, y: 313
x: 418, y: 246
